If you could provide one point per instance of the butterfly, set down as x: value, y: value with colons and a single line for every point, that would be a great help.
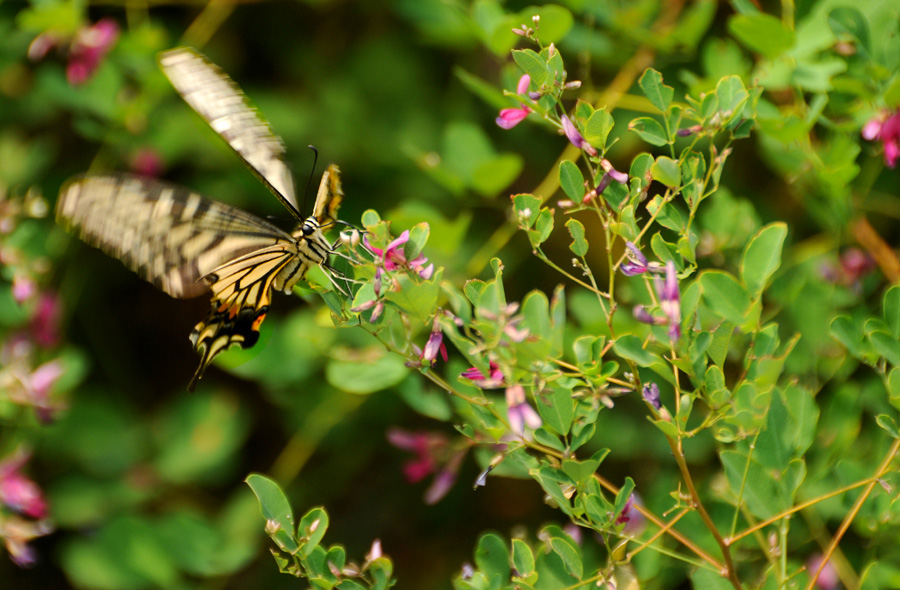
x: 186, y: 244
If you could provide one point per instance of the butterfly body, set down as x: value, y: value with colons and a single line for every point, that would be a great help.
x: 188, y: 245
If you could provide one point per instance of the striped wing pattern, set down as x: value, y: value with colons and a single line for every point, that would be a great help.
x: 186, y: 244
x: 216, y: 98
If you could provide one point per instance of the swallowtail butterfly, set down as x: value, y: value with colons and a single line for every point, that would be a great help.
x: 186, y: 244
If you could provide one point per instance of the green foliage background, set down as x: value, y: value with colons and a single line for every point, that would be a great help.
x: 146, y: 481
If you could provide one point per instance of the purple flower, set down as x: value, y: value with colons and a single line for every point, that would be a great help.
x: 886, y: 129
x: 434, y: 346
x: 493, y: 381
x: 634, y: 520
x: 17, y: 492
x: 90, y: 46
x: 520, y: 413
x: 511, y: 117
x: 651, y: 395
x: 688, y: 131
x: 637, y: 262
x: 575, y: 138
x: 670, y: 300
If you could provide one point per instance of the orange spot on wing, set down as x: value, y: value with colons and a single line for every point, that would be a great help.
x: 259, y: 319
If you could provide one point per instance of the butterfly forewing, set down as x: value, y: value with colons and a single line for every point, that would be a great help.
x: 216, y: 98
x: 169, y: 235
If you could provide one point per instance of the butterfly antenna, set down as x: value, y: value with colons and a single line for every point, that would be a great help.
x: 311, y: 174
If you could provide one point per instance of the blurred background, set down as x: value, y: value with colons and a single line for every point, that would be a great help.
x: 145, y: 481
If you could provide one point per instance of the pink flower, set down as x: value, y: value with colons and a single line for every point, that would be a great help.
x: 494, y: 381
x: 23, y: 288
x: 45, y: 321
x: 433, y: 454
x: 575, y: 138
x: 631, y: 517
x: 519, y: 412
x: 434, y: 346
x: 669, y: 303
x: 828, y: 578
x: 394, y: 257
x: 637, y: 262
x: 18, y: 492
x: 886, y: 129
x: 509, y: 118
x: 670, y: 300
x: 147, y: 162
x: 90, y: 46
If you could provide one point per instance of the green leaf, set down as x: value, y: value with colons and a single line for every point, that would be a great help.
x: 887, y: 346
x: 533, y: 65
x: 849, y: 332
x: 649, y: 130
x: 732, y: 96
x: 571, y: 180
x: 522, y: 558
x: 666, y: 171
x: 579, y: 245
x: 492, y: 559
x: 557, y: 410
x: 848, y: 24
x: 275, y: 507
x: 891, y: 314
x: 660, y: 95
x: 762, y: 33
x: 569, y: 554
x: 597, y: 127
x: 892, y: 93
x: 893, y: 384
x: 630, y: 347
x: 725, y: 295
x: 543, y: 227
x: 375, y: 372
x: 623, y: 495
x: 762, y: 257
x: 496, y: 173
x: 888, y: 424
x: 705, y: 579
x: 416, y: 297
x: 526, y: 207
x: 311, y: 529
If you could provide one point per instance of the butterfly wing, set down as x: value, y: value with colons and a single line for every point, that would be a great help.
x: 329, y: 197
x: 170, y: 236
x: 216, y: 98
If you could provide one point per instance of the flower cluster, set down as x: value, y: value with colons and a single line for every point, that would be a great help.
x: 394, y: 257
x: 86, y: 49
x: 391, y: 258
x: 885, y: 128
